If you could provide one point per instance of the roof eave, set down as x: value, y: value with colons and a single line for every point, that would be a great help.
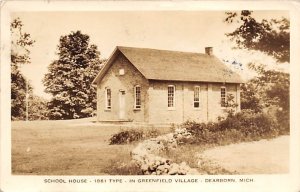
x: 240, y: 81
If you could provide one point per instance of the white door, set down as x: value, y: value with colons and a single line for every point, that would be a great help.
x: 122, y: 104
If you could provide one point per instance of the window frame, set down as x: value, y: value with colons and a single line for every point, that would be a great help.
x: 137, y: 107
x: 223, y: 104
x: 197, y: 89
x: 108, y: 103
x: 121, y: 71
x: 174, y: 97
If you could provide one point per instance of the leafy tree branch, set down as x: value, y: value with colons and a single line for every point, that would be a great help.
x: 271, y: 37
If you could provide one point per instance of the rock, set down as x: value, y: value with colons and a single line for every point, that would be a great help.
x: 173, y: 172
x: 193, y: 172
x: 183, y: 164
x: 151, y: 168
x: 150, y: 164
x: 164, y: 173
x: 168, y: 161
x: 144, y: 167
x: 182, y: 172
x: 163, y: 161
x: 174, y: 168
x: 161, y: 168
x: 146, y: 173
x: 167, y: 166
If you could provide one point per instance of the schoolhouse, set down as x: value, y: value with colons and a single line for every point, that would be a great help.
x: 160, y: 86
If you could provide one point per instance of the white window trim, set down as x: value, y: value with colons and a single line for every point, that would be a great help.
x: 106, y: 101
x: 223, y: 107
x: 174, y: 97
x: 199, y: 94
x: 135, y: 105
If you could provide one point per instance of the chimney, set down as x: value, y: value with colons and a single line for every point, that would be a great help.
x: 209, y: 50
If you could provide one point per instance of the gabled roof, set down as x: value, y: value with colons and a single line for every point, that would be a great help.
x: 174, y: 65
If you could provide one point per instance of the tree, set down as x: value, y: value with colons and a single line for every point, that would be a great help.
x: 269, y: 90
x: 37, y: 108
x: 250, y: 98
x: 230, y: 105
x: 271, y: 37
x: 273, y: 86
x: 20, y: 44
x: 70, y: 77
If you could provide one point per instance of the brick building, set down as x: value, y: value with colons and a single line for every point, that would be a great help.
x: 158, y: 86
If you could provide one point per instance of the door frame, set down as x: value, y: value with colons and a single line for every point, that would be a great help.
x: 122, y: 104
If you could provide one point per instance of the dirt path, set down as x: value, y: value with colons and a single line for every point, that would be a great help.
x: 260, y: 157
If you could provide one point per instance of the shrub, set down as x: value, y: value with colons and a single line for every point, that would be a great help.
x: 152, y: 132
x: 127, y: 136
x: 283, y: 118
x: 131, y: 135
x: 242, y: 126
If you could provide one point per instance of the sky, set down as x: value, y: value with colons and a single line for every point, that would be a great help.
x: 189, y: 31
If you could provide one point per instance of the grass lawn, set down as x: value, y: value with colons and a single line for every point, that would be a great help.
x: 68, y: 147
x: 189, y: 153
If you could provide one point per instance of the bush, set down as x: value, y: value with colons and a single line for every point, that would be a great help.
x: 243, y: 126
x: 127, y: 136
x: 283, y: 118
x: 131, y: 135
x: 152, y: 132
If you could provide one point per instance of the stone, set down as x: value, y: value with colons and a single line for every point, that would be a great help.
x: 168, y: 161
x: 193, y: 172
x: 144, y: 167
x: 183, y: 164
x: 144, y: 155
x: 161, y: 168
x: 151, y: 168
x: 173, y: 172
x: 146, y: 173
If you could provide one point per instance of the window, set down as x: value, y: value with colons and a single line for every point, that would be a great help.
x: 121, y: 71
x: 137, y: 97
x: 223, y: 96
x: 108, y: 98
x: 171, y: 96
x: 196, y: 97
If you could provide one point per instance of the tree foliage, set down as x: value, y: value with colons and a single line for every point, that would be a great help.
x: 69, y: 78
x: 230, y: 105
x: 272, y: 86
x: 20, y: 44
x: 37, y: 109
x: 271, y: 37
x: 270, y: 91
x: 250, y: 99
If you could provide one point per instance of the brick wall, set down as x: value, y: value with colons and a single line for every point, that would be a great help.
x: 125, y: 82
x: 210, y: 107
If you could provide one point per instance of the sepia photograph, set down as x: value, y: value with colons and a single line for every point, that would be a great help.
x: 150, y: 93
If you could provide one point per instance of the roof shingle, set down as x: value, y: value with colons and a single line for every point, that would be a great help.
x: 178, y: 66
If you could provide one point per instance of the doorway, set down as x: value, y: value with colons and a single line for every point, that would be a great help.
x: 122, y: 104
